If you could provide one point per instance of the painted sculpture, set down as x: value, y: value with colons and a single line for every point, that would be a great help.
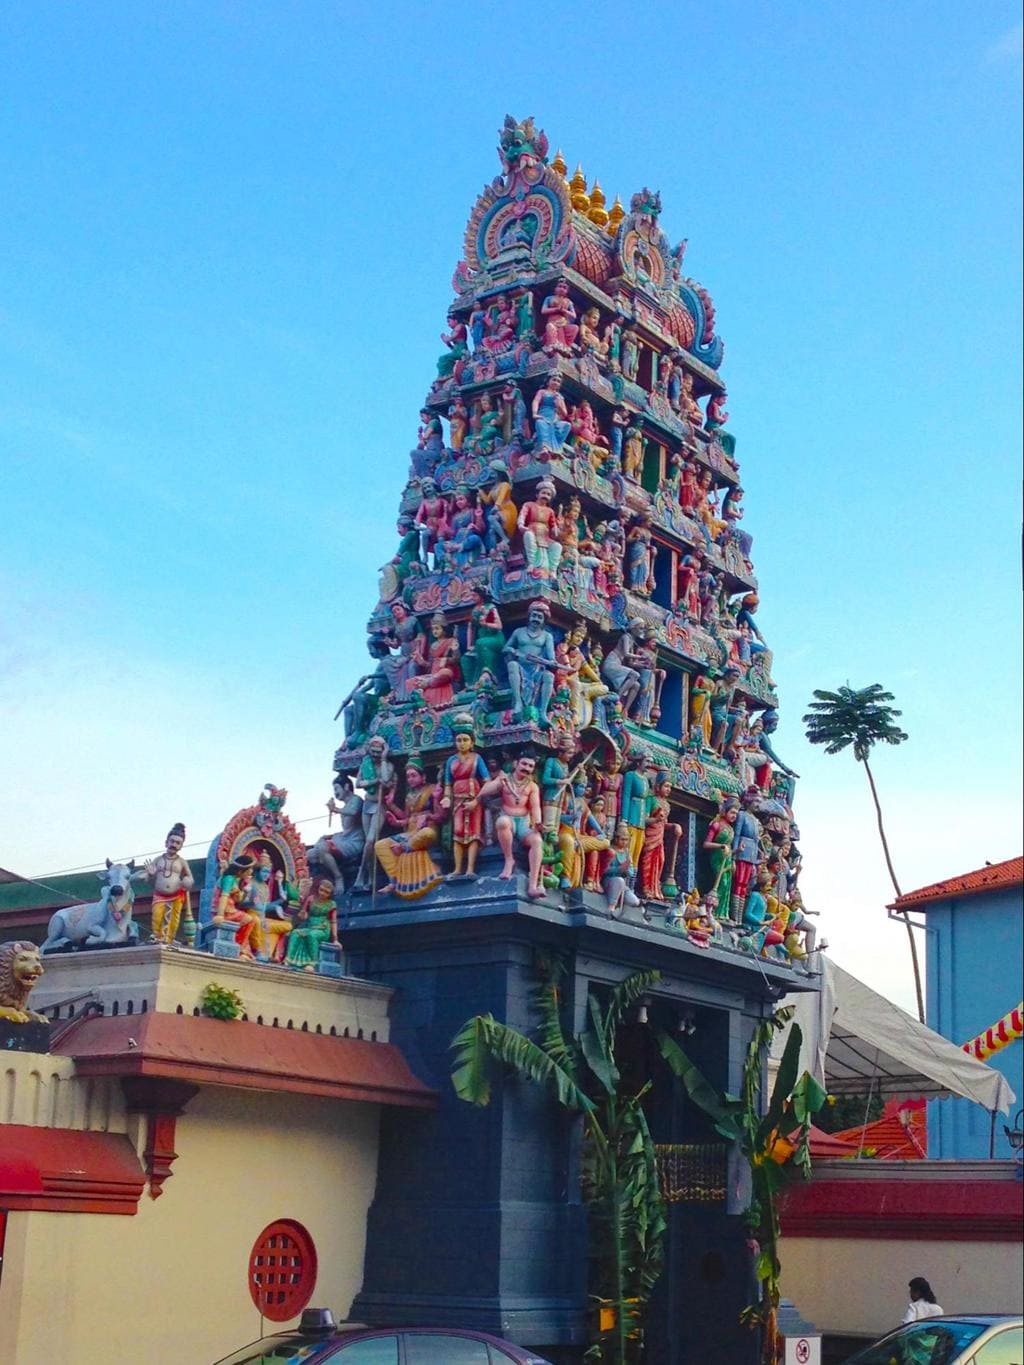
x: 106, y: 923
x: 568, y: 672
x: 316, y: 923
x: 172, y: 882
x: 20, y: 969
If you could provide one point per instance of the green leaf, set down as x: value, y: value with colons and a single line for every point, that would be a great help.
x: 470, y: 1072
x: 594, y: 1046
x: 808, y: 1097
x: 725, y: 1114
x: 484, y: 1037
x: 785, y: 1080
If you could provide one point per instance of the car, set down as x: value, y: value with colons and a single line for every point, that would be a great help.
x: 986, y: 1339
x: 318, y: 1338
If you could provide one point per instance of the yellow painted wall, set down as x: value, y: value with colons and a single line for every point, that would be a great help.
x: 852, y: 1285
x: 169, y: 1285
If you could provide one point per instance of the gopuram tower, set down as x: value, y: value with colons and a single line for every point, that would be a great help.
x: 563, y: 745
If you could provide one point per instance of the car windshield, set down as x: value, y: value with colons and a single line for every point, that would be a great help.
x: 936, y: 1342
x: 287, y: 1349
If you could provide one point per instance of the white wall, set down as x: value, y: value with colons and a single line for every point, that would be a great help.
x: 844, y: 1284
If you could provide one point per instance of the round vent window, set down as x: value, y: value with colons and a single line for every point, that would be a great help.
x: 282, y: 1270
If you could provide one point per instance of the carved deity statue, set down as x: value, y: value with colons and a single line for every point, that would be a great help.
x: 172, y: 881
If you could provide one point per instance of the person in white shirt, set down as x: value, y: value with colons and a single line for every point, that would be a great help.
x: 922, y: 1302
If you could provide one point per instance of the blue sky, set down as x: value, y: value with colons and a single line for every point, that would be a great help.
x: 225, y: 255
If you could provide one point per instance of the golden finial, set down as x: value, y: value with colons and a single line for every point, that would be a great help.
x: 578, y: 191
x: 616, y: 216
x: 558, y: 163
x: 598, y: 213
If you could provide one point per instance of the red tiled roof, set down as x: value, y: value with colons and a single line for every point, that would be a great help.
x: 237, y: 1053
x: 899, y: 1135
x: 992, y: 877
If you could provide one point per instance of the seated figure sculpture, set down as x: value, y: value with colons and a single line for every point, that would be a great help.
x: 405, y: 856
x: 538, y: 522
x: 530, y: 659
x: 316, y: 923
x: 550, y: 418
x: 230, y: 905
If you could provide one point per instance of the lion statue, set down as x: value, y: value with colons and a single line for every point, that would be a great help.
x: 20, y: 969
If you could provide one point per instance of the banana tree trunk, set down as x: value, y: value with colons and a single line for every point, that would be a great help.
x: 892, y: 876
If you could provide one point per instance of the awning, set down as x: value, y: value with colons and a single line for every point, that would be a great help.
x: 856, y: 1039
x: 201, y: 1051
x: 62, y: 1170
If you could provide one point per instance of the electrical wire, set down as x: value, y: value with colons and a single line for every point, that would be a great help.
x: 140, y: 857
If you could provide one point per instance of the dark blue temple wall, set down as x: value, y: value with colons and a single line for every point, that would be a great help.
x: 477, y: 1218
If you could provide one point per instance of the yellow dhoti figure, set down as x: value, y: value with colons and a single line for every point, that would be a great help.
x: 167, y: 915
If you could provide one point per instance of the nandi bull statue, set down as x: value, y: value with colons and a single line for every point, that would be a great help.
x: 106, y: 923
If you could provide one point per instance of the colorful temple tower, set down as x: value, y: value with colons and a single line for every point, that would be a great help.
x: 564, y: 744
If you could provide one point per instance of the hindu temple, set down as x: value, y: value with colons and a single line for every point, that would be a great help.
x: 562, y: 744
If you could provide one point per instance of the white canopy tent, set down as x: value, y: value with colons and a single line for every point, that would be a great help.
x: 855, y: 1040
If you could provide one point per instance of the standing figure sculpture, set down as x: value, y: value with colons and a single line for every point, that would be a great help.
x: 519, y: 821
x: 377, y: 779
x: 746, y: 851
x: 636, y: 791
x: 515, y: 425
x: 718, y: 842
x: 530, y: 658
x: 554, y: 779
x: 431, y: 518
x: 633, y: 452
x: 458, y: 425
x: 661, y: 840
x: 172, y: 881
x: 464, y: 775
x: 640, y: 555
x: 630, y: 354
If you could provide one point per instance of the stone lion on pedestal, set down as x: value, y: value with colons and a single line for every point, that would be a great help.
x: 20, y: 969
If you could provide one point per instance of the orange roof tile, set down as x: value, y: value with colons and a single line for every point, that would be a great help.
x: 992, y: 877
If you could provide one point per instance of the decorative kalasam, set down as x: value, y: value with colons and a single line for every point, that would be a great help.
x: 567, y: 657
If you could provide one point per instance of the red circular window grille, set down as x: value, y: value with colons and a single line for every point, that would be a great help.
x: 282, y: 1270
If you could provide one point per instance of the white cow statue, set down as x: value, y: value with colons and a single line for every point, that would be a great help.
x: 106, y: 923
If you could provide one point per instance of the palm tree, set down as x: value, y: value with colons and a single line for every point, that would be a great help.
x: 620, y: 1173
x: 863, y: 718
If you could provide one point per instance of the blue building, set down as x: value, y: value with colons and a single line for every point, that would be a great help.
x: 974, y: 947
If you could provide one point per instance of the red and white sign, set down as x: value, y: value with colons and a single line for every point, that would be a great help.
x: 803, y: 1351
